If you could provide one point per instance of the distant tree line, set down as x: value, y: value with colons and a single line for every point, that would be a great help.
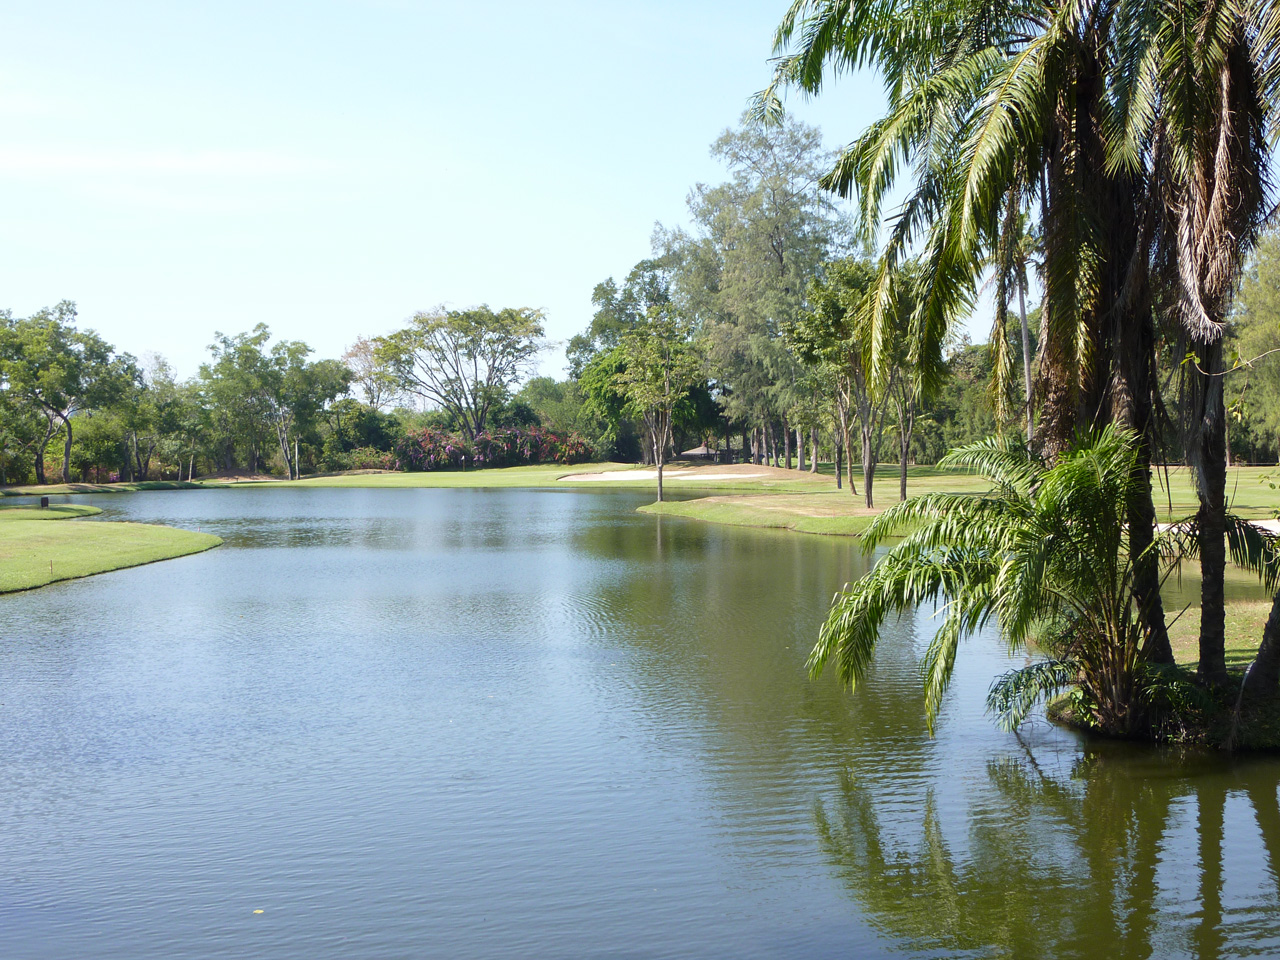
x: 758, y: 308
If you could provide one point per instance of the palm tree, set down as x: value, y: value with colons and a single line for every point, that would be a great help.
x: 996, y: 108
x: 1142, y: 131
x: 1044, y: 555
x: 1195, y: 100
x: 1014, y: 258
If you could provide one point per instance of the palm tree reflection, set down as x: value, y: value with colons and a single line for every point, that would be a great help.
x: 1116, y: 856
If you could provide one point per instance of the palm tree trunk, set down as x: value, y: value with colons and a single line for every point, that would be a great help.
x: 902, y: 470
x: 1212, y: 488
x: 1262, y: 682
x: 1131, y: 407
x: 868, y: 468
x: 1026, y: 359
x: 1210, y: 825
x: 1146, y: 563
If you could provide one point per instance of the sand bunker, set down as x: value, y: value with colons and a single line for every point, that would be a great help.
x: 666, y: 475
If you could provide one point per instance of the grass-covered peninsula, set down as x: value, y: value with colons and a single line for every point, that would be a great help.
x: 35, y: 552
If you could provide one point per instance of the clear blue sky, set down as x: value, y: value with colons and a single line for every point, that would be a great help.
x: 330, y: 167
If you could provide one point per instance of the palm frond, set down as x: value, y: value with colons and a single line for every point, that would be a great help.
x: 1014, y: 695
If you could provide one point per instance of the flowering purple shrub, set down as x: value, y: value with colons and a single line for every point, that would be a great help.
x: 435, y: 450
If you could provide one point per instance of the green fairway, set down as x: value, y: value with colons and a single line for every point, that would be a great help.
x: 49, y: 489
x: 541, y: 475
x: 809, y: 505
x: 59, y: 511
x: 34, y: 552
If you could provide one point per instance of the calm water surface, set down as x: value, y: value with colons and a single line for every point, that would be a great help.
x: 452, y: 723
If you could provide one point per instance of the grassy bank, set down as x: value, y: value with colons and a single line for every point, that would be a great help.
x: 534, y: 476
x: 34, y: 552
x: 816, y: 506
x: 51, y: 489
x: 59, y: 511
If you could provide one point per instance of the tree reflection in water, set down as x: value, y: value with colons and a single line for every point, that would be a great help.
x: 1125, y: 853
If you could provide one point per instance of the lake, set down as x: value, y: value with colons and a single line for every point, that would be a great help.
x: 533, y: 723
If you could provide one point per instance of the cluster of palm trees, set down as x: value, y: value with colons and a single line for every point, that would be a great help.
x: 1138, y: 136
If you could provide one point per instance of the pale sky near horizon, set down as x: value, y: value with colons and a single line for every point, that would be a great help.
x: 330, y: 167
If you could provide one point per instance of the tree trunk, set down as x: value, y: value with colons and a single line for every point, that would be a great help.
x: 1212, y: 488
x: 844, y: 444
x: 1262, y: 682
x: 813, y: 439
x: 1026, y: 357
x: 1146, y: 564
x: 66, y: 451
x: 659, y: 451
x: 868, y: 468
x: 799, y: 450
x: 1132, y: 395
x: 786, y: 441
x: 906, y: 428
x: 1210, y: 826
x: 839, y: 470
x: 902, y: 470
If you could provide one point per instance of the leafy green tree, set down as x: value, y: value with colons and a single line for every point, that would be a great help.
x: 258, y: 393
x: 619, y: 310
x: 659, y: 365
x: 99, y: 445
x: 235, y: 386
x: 353, y: 424
x: 372, y: 377
x: 1015, y: 257
x: 53, y: 370
x: 295, y: 392
x: 741, y: 274
x: 1255, y: 343
x: 561, y: 406
x: 464, y: 362
x: 151, y: 412
x: 604, y: 399
x: 834, y: 333
x: 22, y: 435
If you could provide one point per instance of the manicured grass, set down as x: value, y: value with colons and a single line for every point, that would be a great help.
x: 58, y: 511
x: 1248, y: 493
x: 535, y: 476
x: 799, y: 512
x: 49, y: 489
x: 551, y: 476
x: 34, y: 553
x: 816, y: 506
